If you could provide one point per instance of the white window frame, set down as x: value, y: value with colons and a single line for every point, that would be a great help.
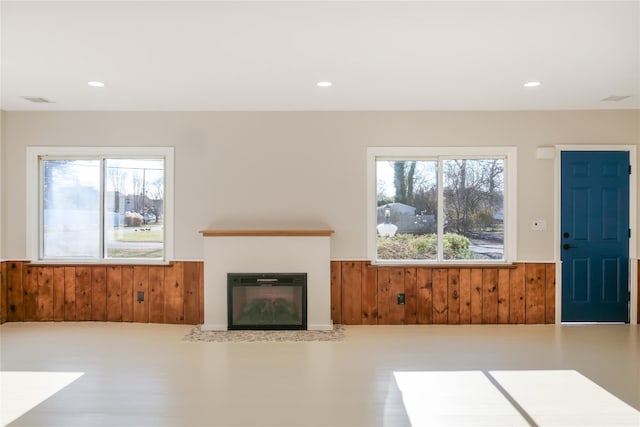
x: 509, y: 153
x: 33, y: 193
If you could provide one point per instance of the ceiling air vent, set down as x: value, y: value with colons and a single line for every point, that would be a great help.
x: 615, y: 98
x: 38, y: 99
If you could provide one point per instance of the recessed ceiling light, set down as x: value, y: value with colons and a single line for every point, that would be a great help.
x: 324, y: 84
x: 96, y: 84
x: 532, y: 84
x: 39, y: 99
x: 615, y: 98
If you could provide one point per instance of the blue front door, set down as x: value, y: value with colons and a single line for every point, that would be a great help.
x: 595, y: 236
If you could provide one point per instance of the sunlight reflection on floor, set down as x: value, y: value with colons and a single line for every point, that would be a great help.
x: 455, y: 398
x: 546, y: 398
x: 22, y: 391
x: 566, y: 397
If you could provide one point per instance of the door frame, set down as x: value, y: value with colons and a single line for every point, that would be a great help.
x: 633, y: 223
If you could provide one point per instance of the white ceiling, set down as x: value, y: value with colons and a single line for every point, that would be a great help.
x: 381, y: 55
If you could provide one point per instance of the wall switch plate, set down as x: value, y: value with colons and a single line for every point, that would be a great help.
x: 140, y: 296
x: 539, y: 225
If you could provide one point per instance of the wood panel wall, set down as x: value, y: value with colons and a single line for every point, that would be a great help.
x: 362, y: 293
x: 3, y: 292
x: 172, y: 293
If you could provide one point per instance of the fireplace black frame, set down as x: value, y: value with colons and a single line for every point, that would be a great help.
x: 296, y: 280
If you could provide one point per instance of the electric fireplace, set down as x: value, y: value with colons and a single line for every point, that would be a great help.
x: 267, y: 300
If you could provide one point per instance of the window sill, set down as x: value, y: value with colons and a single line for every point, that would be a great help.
x: 97, y: 263
x: 460, y: 264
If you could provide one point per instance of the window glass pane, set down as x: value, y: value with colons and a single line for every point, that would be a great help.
x: 71, y: 208
x: 474, y: 209
x: 407, y: 194
x: 134, y: 202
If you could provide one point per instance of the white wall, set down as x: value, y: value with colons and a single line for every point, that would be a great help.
x: 271, y: 169
x: 1, y: 185
x: 267, y: 254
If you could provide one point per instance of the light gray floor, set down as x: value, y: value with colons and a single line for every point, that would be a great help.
x: 144, y: 375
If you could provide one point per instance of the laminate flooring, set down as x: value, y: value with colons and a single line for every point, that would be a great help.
x: 124, y: 374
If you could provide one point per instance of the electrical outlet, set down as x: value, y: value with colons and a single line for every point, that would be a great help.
x: 140, y: 296
x: 401, y: 299
x: 539, y: 225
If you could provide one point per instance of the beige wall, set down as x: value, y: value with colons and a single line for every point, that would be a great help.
x: 1, y: 184
x: 261, y: 169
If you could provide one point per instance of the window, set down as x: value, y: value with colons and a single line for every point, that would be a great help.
x: 100, y: 204
x: 446, y: 204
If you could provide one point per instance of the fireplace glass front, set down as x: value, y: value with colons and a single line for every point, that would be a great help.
x: 267, y: 300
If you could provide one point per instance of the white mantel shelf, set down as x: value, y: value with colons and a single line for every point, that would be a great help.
x: 266, y: 233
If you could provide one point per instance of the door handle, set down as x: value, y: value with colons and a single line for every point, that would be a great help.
x: 567, y: 246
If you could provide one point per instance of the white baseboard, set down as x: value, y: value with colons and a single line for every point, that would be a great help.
x: 320, y: 327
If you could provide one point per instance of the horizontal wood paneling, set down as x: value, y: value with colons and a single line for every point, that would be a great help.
x: 172, y: 293
x: 367, y: 294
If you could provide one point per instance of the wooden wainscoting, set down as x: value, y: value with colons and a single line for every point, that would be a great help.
x: 172, y: 293
x: 3, y: 292
x: 362, y: 293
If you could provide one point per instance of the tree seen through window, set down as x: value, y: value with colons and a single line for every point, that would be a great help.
x: 470, y: 205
